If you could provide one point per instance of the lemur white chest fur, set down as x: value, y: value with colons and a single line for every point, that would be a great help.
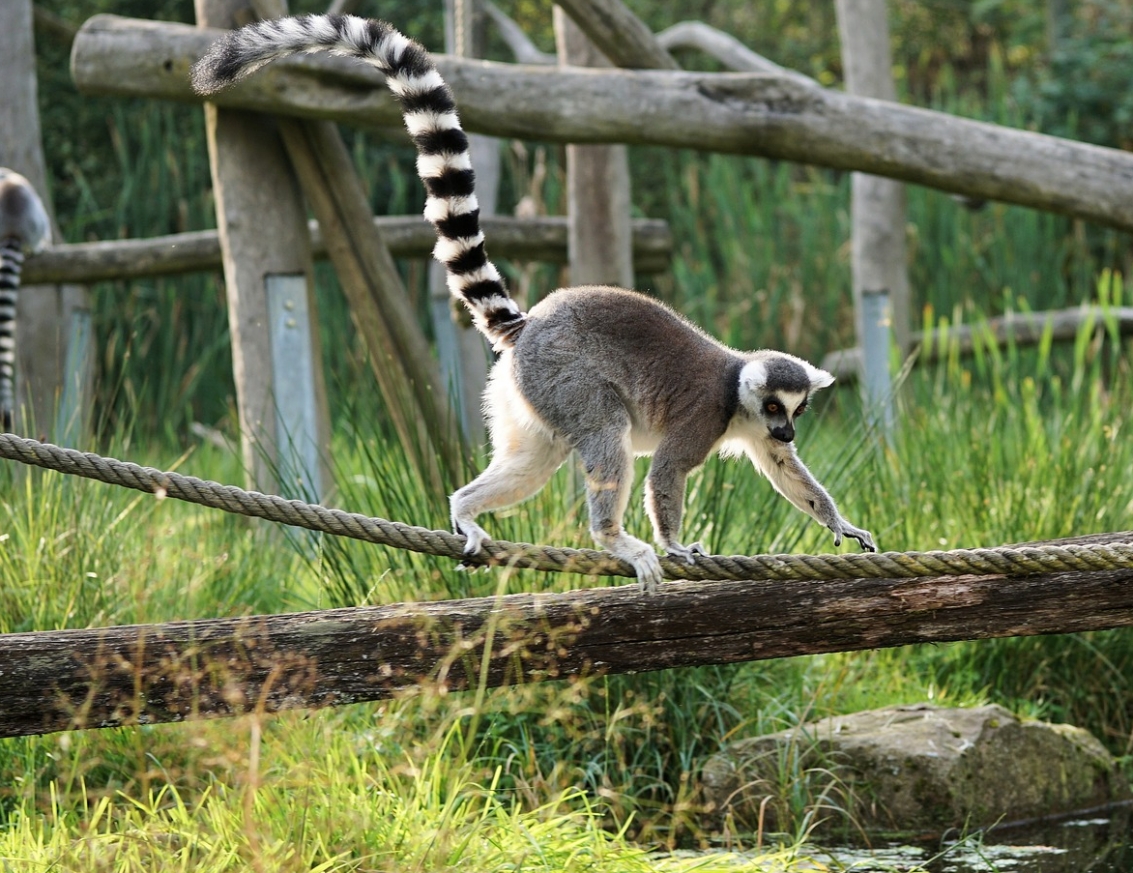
x: 604, y: 372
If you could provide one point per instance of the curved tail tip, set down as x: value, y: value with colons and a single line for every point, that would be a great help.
x: 216, y: 69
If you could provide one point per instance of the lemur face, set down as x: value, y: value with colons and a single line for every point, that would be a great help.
x: 779, y: 411
x: 775, y: 389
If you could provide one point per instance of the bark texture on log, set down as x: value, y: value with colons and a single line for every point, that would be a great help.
x: 102, y: 677
x: 619, y: 34
x: 767, y: 115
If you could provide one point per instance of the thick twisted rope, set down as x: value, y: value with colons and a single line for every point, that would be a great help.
x: 1020, y: 561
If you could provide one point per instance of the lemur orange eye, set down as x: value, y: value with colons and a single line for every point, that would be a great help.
x: 801, y: 409
x: 771, y: 408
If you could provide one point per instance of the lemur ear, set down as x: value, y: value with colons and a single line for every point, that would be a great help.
x: 819, y: 378
x: 753, y: 376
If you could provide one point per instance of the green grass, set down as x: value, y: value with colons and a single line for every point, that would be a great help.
x: 366, y: 801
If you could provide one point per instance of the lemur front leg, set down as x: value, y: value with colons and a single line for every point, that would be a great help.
x: 664, y: 504
x: 780, y: 463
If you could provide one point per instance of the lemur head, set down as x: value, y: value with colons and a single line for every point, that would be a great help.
x: 775, y: 389
x: 23, y: 220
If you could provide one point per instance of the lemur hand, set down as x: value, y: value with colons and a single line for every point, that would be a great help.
x: 843, y: 528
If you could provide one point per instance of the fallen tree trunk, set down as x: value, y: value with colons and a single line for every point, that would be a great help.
x: 772, y: 116
x: 537, y: 239
x: 143, y: 674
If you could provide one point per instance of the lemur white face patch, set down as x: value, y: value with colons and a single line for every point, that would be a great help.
x: 791, y: 401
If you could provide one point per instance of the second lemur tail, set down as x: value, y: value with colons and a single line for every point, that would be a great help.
x: 427, y: 104
x: 23, y: 226
x: 11, y: 262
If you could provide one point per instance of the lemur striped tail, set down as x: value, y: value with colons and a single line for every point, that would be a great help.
x: 23, y: 225
x: 11, y: 262
x: 427, y: 103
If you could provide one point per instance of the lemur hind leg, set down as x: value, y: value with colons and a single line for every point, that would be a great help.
x: 522, y: 462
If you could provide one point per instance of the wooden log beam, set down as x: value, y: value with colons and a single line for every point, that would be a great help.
x: 143, y: 674
x: 771, y: 116
x: 519, y: 239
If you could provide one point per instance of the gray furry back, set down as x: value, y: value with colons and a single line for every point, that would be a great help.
x: 427, y: 104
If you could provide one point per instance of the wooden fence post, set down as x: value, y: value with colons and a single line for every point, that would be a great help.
x: 399, y: 353
x: 53, y: 352
x: 598, y: 193
x: 264, y: 240
x: 877, y: 209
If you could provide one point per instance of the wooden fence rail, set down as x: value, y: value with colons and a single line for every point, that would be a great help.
x: 756, y: 114
x: 408, y: 236
x: 142, y: 674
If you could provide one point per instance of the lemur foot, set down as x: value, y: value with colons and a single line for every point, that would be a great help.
x: 648, y: 572
x: 685, y: 553
x: 475, y: 536
x: 843, y: 528
x: 637, y: 553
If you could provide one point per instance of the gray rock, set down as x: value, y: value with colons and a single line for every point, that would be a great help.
x: 915, y: 770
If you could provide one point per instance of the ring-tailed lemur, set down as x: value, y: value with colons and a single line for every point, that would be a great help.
x: 607, y: 372
x: 24, y: 226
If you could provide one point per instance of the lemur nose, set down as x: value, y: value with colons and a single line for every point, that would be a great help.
x: 783, y: 434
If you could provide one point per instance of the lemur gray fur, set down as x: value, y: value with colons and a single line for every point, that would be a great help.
x: 606, y: 372
x: 24, y: 226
